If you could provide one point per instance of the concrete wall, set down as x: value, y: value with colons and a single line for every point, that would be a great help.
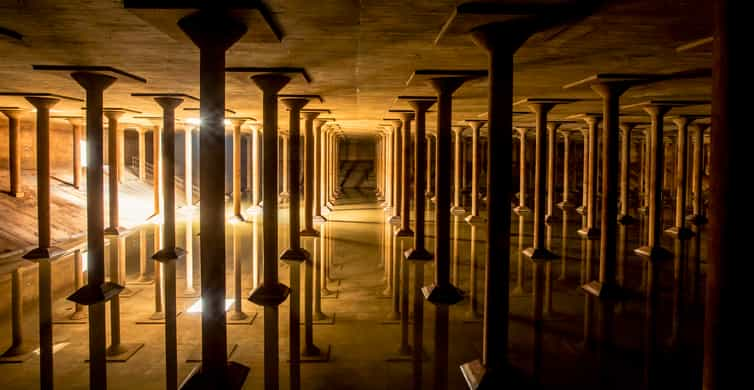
x: 61, y: 147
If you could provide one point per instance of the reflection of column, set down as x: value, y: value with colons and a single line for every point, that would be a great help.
x: 143, y: 277
x: 189, y: 259
x: 78, y: 282
x: 19, y: 350
x: 457, y: 208
x: 238, y: 313
x: 14, y: 152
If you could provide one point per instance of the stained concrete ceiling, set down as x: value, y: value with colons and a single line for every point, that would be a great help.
x: 359, y: 54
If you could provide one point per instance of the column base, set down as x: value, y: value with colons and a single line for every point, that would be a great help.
x: 404, y: 233
x: 604, y: 290
x: 388, y: 209
x: 680, y: 233
x: 403, y: 354
x: 168, y: 254
x: 235, y: 376
x: 114, y: 231
x: 142, y: 281
x: 90, y: 294
x: 319, y: 219
x: 539, y: 254
x: 479, y: 378
x: 566, y: 205
x: 656, y: 253
x: 433, y: 199
x: 321, y: 318
x: 697, y: 220
x: 447, y: 294
x: 15, y: 194
x: 312, y: 354
x: 457, y: 211
x: 44, y: 253
x: 418, y: 255
x: 475, y: 220
x: 394, y: 220
x: 156, y: 318
x: 626, y: 220
x: 17, y: 354
x: 643, y: 211
x: 236, y: 219
x: 472, y: 317
x: 309, y: 233
x: 240, y: 318
x: 552, y: 219
x: 581, y: 210
x: 270, y: 294
x: 429, y: 194
x: 295, y: 256
x: 254, y: 210
x: 589, y: 233
x: 521, y: 210
x: 122, y: 352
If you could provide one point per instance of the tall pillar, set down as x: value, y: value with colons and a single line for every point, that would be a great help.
x: 284, y: 193
x: 319, y: 170
x: 395, y: 219
x: 698, y: 218
x: 624, y: 216
x: 653, y: 251
x: 96, y: 292
x: 271, y: 293
x: 188, y: 162
x: 76, y: 163
x: 726, y: 285
x: 590, y: 230
x: 14, y: 151
x: 388, y: 167
x: 457, y: 208
x: 156, y: 168
x: 679, y: 230
x: 309, y: 231
x: 430, y: 182
x: 566, y: 204
x: 120, y: 154
x: 584, y: 173
x: 521, y: 209
x: 404, y: 230
x: 142, y: 155
x: 474, y: 216
x: 255, y: 157
x: 114, y: 166
x: 237, y: 123
x: 214, y: 33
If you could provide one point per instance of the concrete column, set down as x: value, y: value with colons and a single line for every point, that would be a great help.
x: 319, y: 170
x: 404, y: 229
x: 94, y: 84
x: 120, y: 153
x: 188, y: 175
x: 653, y: 251
x: 585, y: 173
x: 256, y: 157
x: 14, y: 151
x: 156, y: 168
x: 250, y: 162
x: 430, y: 182
x: 538, y: 252
x: 474, y: 216
x: 237, y: 123
x: 309, y: 231
x: 214, y: 34
x: 566, y: 204
x: 271, y: 293
x: 44, y: 250
x: 590, y: 230
x: 284, y: 194
x: 142, y: 155
x: 114, y: 165
x: 679, y: 230
x: 395, y: 219
x: 457, y: 208
x: 76, y: 130
x: 522, y: 172
x: 698, y: 218
x: 388, y: 167
x: 624, y: 216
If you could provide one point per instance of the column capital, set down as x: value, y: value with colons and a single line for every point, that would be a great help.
x: 11, y: 112
x: 476, y: 124
x: 294, y: 104
x: 270, y: 83
x: 42, y: 102
x: 458, y: 129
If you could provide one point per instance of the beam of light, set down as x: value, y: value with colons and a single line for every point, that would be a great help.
x: 194, y: 121
x: 55, y: 348
x: 82, y: 145
x: 196, y: 307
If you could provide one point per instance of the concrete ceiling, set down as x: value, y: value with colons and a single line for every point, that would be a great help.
x: 359, y: 53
